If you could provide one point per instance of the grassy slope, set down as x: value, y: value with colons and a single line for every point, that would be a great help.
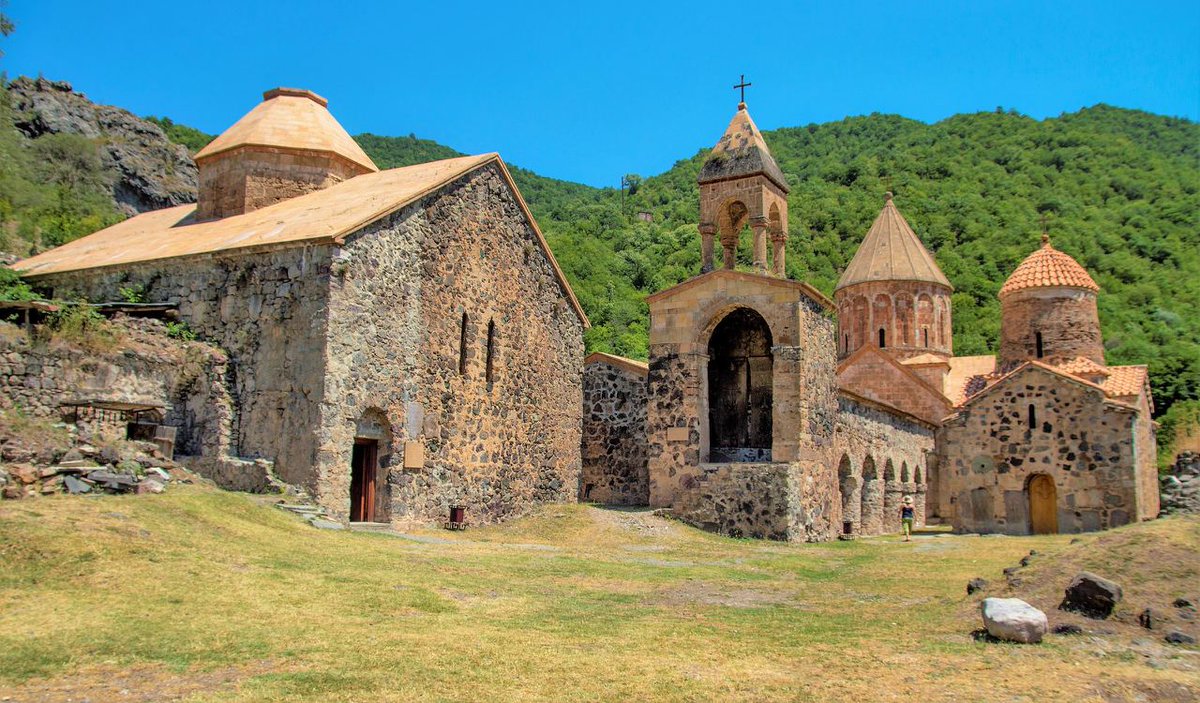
x: 211, y: 593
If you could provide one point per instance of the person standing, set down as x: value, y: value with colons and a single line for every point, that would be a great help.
x: 906, y: 517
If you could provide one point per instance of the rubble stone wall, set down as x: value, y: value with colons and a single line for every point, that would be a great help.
x: 1066, y: 318
x: 397, y: 367
x: 882, y: 457
x: 614, y: 433
x: 186, y: 379
x: 1085, y: 443
x: 246, y: 179
x: 267, y: 310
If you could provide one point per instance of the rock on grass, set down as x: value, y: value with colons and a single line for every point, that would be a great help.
x: 1014, y: 620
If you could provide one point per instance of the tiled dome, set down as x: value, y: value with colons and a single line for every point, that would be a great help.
x: 1048, y: 268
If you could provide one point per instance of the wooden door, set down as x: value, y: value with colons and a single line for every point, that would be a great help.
x: 362, y: 481
x: 1043, y: 505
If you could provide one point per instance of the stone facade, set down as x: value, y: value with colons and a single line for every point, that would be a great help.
x: 248, y: 178
x: 1041, y: 422
x: 614, y: 431
x: 1052, y: 325
x: 908, y: 318
x: 883, y: 456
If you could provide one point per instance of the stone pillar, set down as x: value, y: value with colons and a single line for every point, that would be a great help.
x: 893, y: 496
x: 919, y: 504
x: 707, y: 232
x: 758, y: 226
x: 778, y: 240
x: 851, y: 504
x: 729, y: 244
x: 872, y: 506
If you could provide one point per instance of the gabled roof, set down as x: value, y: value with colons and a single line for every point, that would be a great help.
x: 1126, y: 381
x: 324, y: 216
x: 761, y: 279
x: 904, y: 390
x: 1039, y: 366
x: 634, y: 366
x: 967, y: 376
x: 741, y: 152
x: 926, y: 359
x: 1048, y: 268
x: 1083, y: 366
x: 891, y: 251
x: 289, y: 118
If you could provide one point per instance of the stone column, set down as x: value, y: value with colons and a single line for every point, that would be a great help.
x: 758, y: 226
x: 872, y: 506
x: 729, y: 244
x: 893, y: 496
x: 919, y: 504
x: 778, y: 240
x: 707, y: 232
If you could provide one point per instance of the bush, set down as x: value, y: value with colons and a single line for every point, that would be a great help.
x: 78, y: 323
x: 181, y: 331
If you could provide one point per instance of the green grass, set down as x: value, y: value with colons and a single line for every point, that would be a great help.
x: 204, y: 595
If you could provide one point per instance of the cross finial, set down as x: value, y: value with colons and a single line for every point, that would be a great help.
x: 742, y: 86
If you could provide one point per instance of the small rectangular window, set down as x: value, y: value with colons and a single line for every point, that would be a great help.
x: 1032, y: 417
x: 1038, y: 339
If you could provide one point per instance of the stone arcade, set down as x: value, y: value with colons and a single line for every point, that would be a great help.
x: 767, y: 415
x: 399, y: 341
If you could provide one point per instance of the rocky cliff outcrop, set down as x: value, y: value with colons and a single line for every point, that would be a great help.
x: 148, y: 171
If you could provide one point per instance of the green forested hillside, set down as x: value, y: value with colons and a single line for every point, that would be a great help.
x: 1120, y: 190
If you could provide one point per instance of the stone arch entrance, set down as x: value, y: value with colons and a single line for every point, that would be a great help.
x: 369, y: 458
x: 1043, y: 505
x: 848, y: 488
x: 740, y: 378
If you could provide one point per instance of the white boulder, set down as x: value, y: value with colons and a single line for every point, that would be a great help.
x: 1014, y: 620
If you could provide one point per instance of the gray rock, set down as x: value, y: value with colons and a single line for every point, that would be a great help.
x: 1091, y: 595
x: 76, y: 486
x: 1148, y: 619
x: 327, y: 525
x: 976, y: 585
x: 1177, y: 637
x: 1067, y: 629
x: 149, y: 486
x: 1013, y: 620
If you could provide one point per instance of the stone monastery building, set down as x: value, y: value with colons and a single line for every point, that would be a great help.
x: 772, y: 411
x: 402, y: 342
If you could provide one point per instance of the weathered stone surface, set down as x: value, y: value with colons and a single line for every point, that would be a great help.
x: 1177, y: 637
x: 1067, y: 629
x: 1181, y: 487
x: 614, y: 432
x: 976, y: 585
x: 1091, y: 595
x: 1014, y: 620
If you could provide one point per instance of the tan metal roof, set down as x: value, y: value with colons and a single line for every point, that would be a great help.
x: 891, y: 251
x: 634, y: 366
x: 741, y: 152
x: 967, y: 375
x: 289, y: 118
x: 1048, y: 268
x: 323, y: 216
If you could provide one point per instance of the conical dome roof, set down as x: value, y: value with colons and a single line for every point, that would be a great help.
x: 289, y: 118
x: 1048, y: 268
x: 891, y: 251
x: 741, y: 152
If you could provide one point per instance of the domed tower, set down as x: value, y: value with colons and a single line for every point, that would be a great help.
x: 1048, y: 312
x: 893, y: 295
x: 288, y: 145
x: 741, y: 184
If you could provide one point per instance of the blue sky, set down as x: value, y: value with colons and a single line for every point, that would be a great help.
x: 589, y: 91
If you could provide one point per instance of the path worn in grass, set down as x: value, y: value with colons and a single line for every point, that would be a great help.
x: 203, y: 595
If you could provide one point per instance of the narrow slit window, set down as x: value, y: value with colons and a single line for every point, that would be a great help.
x: 1032, y: 417
x: 926, y: 333
x: 462, y: 347
x: 1038, y: 341
x: 882, y: 339
x: 845, y: 342
x: 491, y: 352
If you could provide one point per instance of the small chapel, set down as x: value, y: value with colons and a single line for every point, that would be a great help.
x: 769, y: 410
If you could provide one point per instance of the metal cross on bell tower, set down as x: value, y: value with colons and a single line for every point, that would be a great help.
x: 742, y: 86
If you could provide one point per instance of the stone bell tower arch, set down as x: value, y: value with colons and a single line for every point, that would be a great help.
x: 740, y: 185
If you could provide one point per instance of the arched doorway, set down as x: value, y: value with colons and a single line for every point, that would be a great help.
x: 1043, y: 505
x: 848, y: 487
x: 739, y: 388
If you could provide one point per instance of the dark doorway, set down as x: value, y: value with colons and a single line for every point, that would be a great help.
x: 363, y: 470
x: 739, y: 388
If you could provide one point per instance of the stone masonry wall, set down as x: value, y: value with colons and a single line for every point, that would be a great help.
x: 614, y: 433
x: 186, y: 379
x: 246, y: 179
x: 1066, y: 317
x: 267, y: 310
x: 497, y: 446
x: 1083, y: 442
x: 870, y: 438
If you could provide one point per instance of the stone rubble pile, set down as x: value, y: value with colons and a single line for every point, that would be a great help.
x: 1180, y: 489
x: 136, y: 467
x: 315, y: 515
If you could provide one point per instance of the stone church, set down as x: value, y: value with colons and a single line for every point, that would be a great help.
x: 400, y: 341
x: 768, y: 410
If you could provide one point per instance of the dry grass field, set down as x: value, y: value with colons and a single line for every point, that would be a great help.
x: 201, y: 595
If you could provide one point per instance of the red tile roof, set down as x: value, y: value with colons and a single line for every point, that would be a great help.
x: 1048, y: 268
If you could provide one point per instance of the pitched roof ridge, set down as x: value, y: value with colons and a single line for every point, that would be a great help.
x: 891, y: 251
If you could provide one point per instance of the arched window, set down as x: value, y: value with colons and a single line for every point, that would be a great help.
x: 1032, y: 417
x: 882, y: 338
x: 1038, y: 339
x: 491, y: 352
x: 462, y: 347
x: 926, y: 333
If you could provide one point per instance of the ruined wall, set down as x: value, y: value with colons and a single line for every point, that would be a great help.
x: 497, y: 446
x: 266, y: 309
x: 614, y: 432
x: 786, y: 502
x: 246, y: 179
x: 185, y: 379
x: 882, y: 457
x: 989, y: 452
x: 1065, y: 317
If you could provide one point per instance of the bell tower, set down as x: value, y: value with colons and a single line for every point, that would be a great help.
x: 740, y: 184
